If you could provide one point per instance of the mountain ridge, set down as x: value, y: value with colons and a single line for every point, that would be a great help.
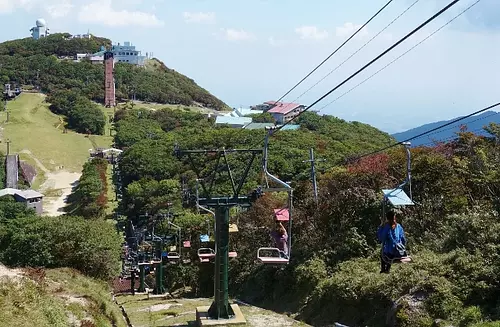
x: 473, y: 124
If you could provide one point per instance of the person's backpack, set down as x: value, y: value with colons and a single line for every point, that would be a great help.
x: 400, y: 249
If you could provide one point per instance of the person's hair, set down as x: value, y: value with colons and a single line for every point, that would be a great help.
x: 390, y: 215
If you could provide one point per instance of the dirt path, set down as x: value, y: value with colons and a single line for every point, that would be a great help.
x: 4, y: 271
x: 60, y: 180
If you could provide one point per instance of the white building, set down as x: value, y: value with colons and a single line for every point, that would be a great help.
x: 128, y: 53
x: 40, y: 30
x: 242, y: 112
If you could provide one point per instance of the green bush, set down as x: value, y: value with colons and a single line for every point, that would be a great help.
x: 91, y: 246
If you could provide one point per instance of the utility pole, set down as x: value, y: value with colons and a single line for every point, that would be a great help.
x: 313, y: 172
x: 8, y: 115
x: 8, y: 147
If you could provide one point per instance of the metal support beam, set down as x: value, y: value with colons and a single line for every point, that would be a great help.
x: 159, y: 289
x: 142, y: 275
x: 220, y: 308
x: 313, y: 172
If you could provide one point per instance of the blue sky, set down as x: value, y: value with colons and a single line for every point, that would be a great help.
x: 246, y: 52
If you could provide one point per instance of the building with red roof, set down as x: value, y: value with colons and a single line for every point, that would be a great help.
x: 283, y: 112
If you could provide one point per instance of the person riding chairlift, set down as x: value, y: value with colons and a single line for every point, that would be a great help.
x: 392, y: 237
x: 280, y: 237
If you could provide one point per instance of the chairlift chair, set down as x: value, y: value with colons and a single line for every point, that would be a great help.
x: 398, y: 197
x: 273, y: 255
x: 205, y: 254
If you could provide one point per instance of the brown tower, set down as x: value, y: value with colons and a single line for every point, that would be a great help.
x: 109, y: 80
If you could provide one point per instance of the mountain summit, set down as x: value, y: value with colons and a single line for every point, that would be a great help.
x: 52, y: 64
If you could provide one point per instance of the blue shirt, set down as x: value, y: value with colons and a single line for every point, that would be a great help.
x: 385, y: 238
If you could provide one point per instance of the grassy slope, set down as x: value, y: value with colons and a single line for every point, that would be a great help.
x: 33, y: 127
x: 63, y: 298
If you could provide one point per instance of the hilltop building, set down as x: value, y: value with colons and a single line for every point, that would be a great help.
x: 235, y: 122
x: 82, y: 36
x: 126, y: 53
x: 242, y: 112
x: 31, y: 198
x: 284, y: 112
x: 40, y: 29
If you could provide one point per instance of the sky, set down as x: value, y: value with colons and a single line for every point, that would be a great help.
x: 246, y: 52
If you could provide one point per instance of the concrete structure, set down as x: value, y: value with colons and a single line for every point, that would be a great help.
x: 40, y: 29
x: 202, y: 318
x: 31, y: 198
x: 237, y: 122
x: 12, y: 170
x: 128, y: 53
x: 109, y: 80
x: 284, y: 112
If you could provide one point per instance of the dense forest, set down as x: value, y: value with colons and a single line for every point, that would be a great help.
x: 333, y: 275
x: 41, y: 63
x: 334, y: 271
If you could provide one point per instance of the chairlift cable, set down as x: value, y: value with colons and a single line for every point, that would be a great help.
x: 399, y: 57
x: 334, y: 52
x: 361, y: 48
x: 447, y: 129
x: 439, y: 13
x: 452, y: 138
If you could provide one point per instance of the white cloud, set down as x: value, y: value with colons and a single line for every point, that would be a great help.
x: 311, y: 32
x: 348, y: 29
x: 59, y: 9
x: 199, y: 17
x: 101, y: 12
x: 231, y: 34
x: 276, y: 42
x: 55, y: 8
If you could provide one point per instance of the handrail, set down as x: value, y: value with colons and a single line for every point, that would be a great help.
x: 202, y: 207
x: 179, y: 229
x: 270, y: 130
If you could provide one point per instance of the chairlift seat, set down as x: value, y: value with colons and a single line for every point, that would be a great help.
x: 173, y: 256
x: 397, y: 197
x: 271, y: 259
x: 205, y: 254
x: 233, y: 228
x: 282, y: 214
x: 404, y: 259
